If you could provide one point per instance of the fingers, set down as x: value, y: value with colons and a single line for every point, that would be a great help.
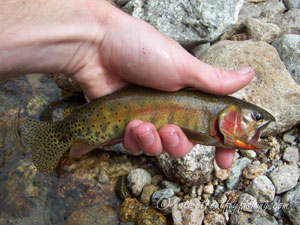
x: 143, y: 138
x: 224, y: 157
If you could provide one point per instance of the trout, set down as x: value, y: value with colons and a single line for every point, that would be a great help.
x: 221, y: 121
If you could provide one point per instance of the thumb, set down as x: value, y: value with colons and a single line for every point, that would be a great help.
x: 215, y: 80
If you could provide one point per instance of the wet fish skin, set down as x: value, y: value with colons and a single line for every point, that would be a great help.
x: 106, y: 118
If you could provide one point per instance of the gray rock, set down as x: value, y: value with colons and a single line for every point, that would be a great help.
x: 160, y: 195
x: 292, y: 4
x: 291, y: 204
x: 275, y: 208
x: 291, y: 154
x: 221, y: 174
x: 200, y: 49
x: 272, y: 87
x: 249, y: 154
x: 194, y: 168
x: 254, y: 171
x: 188, y: 22
x: 167, y: 204
x: 219, y: 189
x: 289, y: 22
x: 265, y: 11
x: 236, y: 172
x: 288, y: 138
x: 190, y: 212
x: 137, y: 179
x: 288, y: 47
x: 259, y: 30
x: 245, y: 218
x: 285, y: 177
x: 121, y: 3
x: 262, y: 189
x: 248, y: 203
x: 171, y: 185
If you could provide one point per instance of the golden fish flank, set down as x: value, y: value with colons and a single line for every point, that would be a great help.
x: 206, y: 119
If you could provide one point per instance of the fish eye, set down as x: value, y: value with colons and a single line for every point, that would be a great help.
x: 257, y: 116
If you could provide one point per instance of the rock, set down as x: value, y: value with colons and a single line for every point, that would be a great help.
x: 147, y: 192
x: 285, y: 178
x: 275, y: 208
x: 66, y: 83
x: 292, y: 4
x: 200, y: 49
x: 188, y: 22
x: 129, y: 209
x: 288, y: 138
x: 156, y: 179
x: 245, y: 218
x: 194, y: 168
x: 121, y: 187
x: 219, y: 189
x: 288, y: 47
x: 291, y: 204
x: 262, y: 189
x: 149, y: 217
x: 267, y: 11
x: 214, y: 219
x: 137, y: 179
x: 254, y: 171
x: 190, y: 212
x: 291, y: 154
x: 208, y: 189
x: 167, y: 204
x: 248, y: 203
x: 289, y: 22
x: 159, y: 196
x: 93, y: 215
x: 121, y: 2
x: 221, y: 174
x: 171, y: 185
x: 272, y: 87
x: 249, y: 154
x: 236, y: 172
x: 259, y: 30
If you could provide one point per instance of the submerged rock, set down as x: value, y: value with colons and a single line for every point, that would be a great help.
x: 272, y: 87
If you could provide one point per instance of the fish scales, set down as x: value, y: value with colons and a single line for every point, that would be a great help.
x: 106, y: 118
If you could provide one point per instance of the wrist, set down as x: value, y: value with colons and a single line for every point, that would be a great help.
x: 50, y: 36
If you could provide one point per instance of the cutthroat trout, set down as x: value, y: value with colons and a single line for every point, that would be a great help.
x: 206, y: 119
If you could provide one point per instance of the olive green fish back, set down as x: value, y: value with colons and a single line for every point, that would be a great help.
x: 43, y: 140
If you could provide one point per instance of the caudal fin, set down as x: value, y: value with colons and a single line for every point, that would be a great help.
x: 47, y: 147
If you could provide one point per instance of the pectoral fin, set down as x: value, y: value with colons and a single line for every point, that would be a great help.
x: 79, y: 149
x: 198, y: 137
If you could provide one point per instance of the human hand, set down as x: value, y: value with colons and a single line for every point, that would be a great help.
x: 104, y: 49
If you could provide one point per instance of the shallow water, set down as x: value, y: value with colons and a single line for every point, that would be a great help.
x: 81, y: 192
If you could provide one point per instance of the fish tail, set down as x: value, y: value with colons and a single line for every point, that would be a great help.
x: 44, y: 140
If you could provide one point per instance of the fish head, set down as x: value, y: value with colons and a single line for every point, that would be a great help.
x: 241, y: 126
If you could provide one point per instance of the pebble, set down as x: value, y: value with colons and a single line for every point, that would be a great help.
x: 247, y: 203
x: 275, y: 208
x: 171, y: 185
x: 150, y: 216
x: 190, y: 212
x: 137, y: 179
x: 219, y: 189
x: 214, y: 219
x: 288, y: 138
x: 259, y: 30
x: 221, y: 174
x: 291, y: 204
x: 254, y: 171
x: 222, y: 199
x: 262, y: 189
x: 167, y: 204
x: 284, y: 177
x: 236, y: 171
x: 249, y: 154
x: 199, y: 190
x: 156, y: 179
x: 291, y: 154
x: 209, y: 189
x: 129, y: 209
x: 245, y: 218
x: 160, y: 195
x: 148, y: 190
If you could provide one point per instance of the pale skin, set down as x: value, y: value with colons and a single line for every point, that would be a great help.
x: 104, y: 49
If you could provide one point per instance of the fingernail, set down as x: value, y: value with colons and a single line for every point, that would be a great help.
x: 244, y: 70
x: 170, y: 139
x: 146, y: 138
